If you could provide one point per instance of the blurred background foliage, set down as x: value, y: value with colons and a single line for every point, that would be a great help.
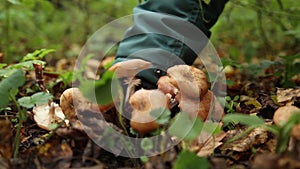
x: 63, y: 25
x: 250, y: 30
x: 246, y: 30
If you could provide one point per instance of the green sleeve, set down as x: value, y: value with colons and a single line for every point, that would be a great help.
x: 168, y: 32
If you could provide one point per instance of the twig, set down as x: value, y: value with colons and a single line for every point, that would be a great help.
x: 39, y: 77
x: 280, y: 4
x: 16, y: 144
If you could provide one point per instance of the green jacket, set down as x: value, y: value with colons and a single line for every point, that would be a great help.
x: 168, y: 32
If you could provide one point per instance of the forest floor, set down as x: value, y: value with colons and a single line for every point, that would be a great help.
x: 255, y: 91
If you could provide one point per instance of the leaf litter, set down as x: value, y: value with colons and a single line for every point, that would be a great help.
x: 66, y: 146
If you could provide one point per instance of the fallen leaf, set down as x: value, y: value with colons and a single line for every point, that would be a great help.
x: 54, y: 155
x: 6, y: 139
x: 255, y: 137
x: 287, y: 95
x: 210, y: 145
x: 4, y: 163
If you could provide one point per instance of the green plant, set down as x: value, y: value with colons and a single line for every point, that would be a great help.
x: 259, y: 40
x: 13, y: 77
x: 55, y: 26
x: 231, y: 104
x: 291, y: 68
x: 191, y: 129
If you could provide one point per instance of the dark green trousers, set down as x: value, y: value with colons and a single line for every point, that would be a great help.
x: 168, y: 32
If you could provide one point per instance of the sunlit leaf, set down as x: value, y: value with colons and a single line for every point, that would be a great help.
x: 28, y: 65
x: 36, y: 99
x: 16, y: 2
x: 37, y: 54
x: 207, y: 1
x: 2, y: 65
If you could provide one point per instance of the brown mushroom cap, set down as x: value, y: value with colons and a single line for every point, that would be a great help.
x: 143, y: 102
x: 69, y: 100
x: 282, y: 114
x: 142, y: 122
x: 190, y: 81
x: 296, y: 132
x: 167, y: 85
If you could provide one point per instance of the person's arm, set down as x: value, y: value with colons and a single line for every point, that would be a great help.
x: 168, y: 32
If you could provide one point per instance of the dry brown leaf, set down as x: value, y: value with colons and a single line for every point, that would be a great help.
x: 253, y: 138
x: 287, y: 95
x: 54, y: 155
x: 210, y: 145
x: 4, y: 163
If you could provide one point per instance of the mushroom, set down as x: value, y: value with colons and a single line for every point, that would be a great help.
x: 46, y: 115
x: 189, y: 87
x: 143, y: 102
x: 283, y: 114
x: 202, y: 108
x: 189, y: 80
x: 72, y: 99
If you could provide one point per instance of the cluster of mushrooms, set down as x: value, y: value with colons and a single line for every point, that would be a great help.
x: 183, y: 86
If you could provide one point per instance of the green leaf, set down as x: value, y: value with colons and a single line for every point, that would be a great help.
x: 244, y: 119
x: 185, y: 128
x: 161, y: 115
x: 67, y: 78
x: 37, y: 54
x: 207, y: 1
x: 35, y: 99
x: 144, y: 159
x: 6, y: 72
x: 108, y: 65
x: 189, y: 160
x: 228, y: 62
x: 146, y: 144
x: 13, y: 81
x: 2, y: 65
x: 212, y: 128
x: 28, y: 65
x: 101, y: 89
x: 15, y: 2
